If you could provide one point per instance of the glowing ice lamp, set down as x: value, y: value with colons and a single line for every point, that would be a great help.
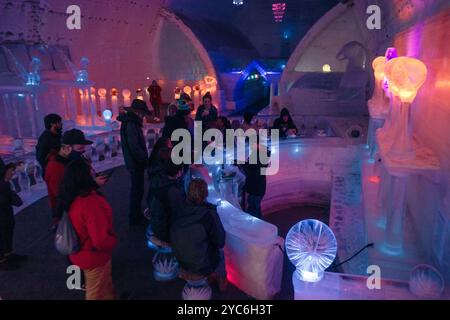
x: 107, y: 115
x: 378, y: 67
x: 126, y: 93
x: 311, y: 247
x: 405, y: 75
x: 114, y: 92
x: 187, y: 90
x: 102, y: 92
x: 326, y: 68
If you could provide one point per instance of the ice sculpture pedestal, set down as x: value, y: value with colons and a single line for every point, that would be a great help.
x: 377, y: 120
x: 393, y: 189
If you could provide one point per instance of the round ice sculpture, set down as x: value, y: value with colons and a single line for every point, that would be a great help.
x: 426, y: 282
x: 311, y: 246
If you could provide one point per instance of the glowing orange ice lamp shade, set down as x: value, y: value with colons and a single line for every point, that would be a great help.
x: 405, y: 75
x: 114, y: 92
x: 102, y: 92
x: 187, y: 90
x: 126, y: 93
x: 378, y: 67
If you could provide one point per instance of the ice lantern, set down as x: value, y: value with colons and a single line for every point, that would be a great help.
x: 311, y: 246
x: 405, y: 77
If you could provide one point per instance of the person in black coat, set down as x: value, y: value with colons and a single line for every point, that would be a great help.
x: 8, y: 199
x: 255, y: 183
x: 167, y: 201
x: 197, y: 235
x: 285, y: 124
x: 50, y: 140
x: 135, y: 155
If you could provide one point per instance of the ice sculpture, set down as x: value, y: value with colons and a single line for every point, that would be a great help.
x: 311, y: 246
x: 33, y: 78
x: 82, y: 73
x: 197, y: 290
x: 426, y: 282
x: 165, y: 265
x: 405, y: 76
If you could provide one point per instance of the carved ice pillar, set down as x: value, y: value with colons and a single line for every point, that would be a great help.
x: 396, y: 209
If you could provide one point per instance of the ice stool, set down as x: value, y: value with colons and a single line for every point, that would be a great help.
x: 165, y: 265
x: 196, y: 287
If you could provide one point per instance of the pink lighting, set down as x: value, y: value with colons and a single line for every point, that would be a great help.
x: 279, y: 10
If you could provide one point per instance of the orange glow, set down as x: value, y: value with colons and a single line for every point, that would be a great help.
x: 442, y: 84
x: 378, y: 67
x: 406, y: 76
x: 374, y: 179
x: 102, y: 92
x: 126, y: 93
x: 93, y: 90
x: 114, y: 92
x: 187, y: 90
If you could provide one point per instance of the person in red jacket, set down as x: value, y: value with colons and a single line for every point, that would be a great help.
x: 155, y: 98
x: 91, y: 217
x: 73, y: 145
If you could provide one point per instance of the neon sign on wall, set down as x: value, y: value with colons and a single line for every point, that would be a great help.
x: 278, y: 10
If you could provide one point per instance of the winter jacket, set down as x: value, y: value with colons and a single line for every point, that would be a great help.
x: 8, y: 199
x: 54, y: 175
x: 196, y: 237
x: 91, y: 217
x: 167, y: 202
x: 133, y: 142
x: 173, y: 123
x: 209, y: 118
x: 48, y: 143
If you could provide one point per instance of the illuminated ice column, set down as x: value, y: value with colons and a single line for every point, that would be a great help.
x: 377, y: 108
x: 406, y: 76
x: 126, y: 97
x: 396, y: 209
x: 92, y: 106
x: 30, y: 101
x: 102, y: 98
x: 114, y: 102
x: 84, y: 94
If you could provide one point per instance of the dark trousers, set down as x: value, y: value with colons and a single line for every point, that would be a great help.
x: 254, y: 205
x: 136, y: 195
x: 156, y: 109
x: 6, y: 232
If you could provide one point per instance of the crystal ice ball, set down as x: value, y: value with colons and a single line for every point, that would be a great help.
x: 426, y: 282
x: 311, y: 246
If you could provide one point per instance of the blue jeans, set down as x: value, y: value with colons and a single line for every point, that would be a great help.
x: 254, y: 205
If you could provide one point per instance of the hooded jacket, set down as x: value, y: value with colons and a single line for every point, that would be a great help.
x: 197, y: 235
x: 284, y: 126
x: 133, y: 142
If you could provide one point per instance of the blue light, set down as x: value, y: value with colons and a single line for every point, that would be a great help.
x: 107, y: 115
x: 20, y: 95
x: 286, y: 35
x: 283, y: 66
